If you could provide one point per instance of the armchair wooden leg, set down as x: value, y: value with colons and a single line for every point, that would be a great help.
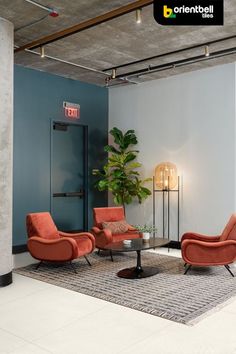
x: 228, y: 268
x: 73, y: 267
x: 88, y: 261
x: 38, y: 265
x: 187, y: 269
x: 111, y: 256
x: 98, y: 251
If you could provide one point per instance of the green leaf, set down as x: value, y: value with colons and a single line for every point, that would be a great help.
x: 128, y: 199
x: 102, y: 184
x: 146, y: 190
x: 118, y: 136
x: 129, y: 157
x: 130, y: 139
x: 134, y: 165
x: 118, y: 200
x: 147, y: 180
x: 110, y: 148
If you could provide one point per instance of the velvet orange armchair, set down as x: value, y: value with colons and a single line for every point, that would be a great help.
x: 103, y: 236
x: 47, y: 243
x: 202, y: 250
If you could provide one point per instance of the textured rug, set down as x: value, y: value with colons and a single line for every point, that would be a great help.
x: 168, y: 294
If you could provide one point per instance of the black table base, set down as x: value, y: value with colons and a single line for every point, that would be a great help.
x: 137, y: 245
x: 136, y: 273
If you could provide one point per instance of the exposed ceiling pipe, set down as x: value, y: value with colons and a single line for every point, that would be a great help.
x: 178, y: 63
x: 177, y: 51
x: 68, y: 62
x: 52, y: 12
x: 74, y: 64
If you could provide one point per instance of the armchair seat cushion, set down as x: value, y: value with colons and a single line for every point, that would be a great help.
x: 125, y: 236
x: 84, y: 246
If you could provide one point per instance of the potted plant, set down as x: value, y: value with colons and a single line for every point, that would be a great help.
x: 120, y: 175
x: 146, y: 230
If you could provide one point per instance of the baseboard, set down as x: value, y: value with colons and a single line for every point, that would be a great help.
x: 19, y: 249
x: 5, y: 279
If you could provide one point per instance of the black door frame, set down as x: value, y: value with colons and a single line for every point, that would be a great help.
x: 85, y: 166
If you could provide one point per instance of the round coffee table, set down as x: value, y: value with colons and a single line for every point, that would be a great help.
x: 137, y: 245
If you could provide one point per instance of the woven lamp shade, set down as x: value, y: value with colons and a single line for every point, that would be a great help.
x: 166, y: 176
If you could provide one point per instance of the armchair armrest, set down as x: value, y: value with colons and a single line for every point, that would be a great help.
x: 203, y: 253
x: 78, y: 235
x: 131, y: 228
x: 102, y: 237
x: 62, y: 249
x: 200, y: 237
x: 96, y: 230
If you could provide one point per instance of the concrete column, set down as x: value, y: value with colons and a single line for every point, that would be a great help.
x: 6, y: 149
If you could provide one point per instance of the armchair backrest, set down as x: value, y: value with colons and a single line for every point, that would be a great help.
x: 229, y: 232
x: 42, y: 225
x: 107, y: 214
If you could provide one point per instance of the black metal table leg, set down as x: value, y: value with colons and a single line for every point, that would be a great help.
x: 187, y: 268
x: 38, y: 265
x: 87, y: 261
x: 73, y: 267
x: 111, y: 256
x: 228, y: 269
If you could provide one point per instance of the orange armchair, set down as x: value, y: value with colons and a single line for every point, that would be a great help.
x: 103, y: 236
x: 47, y: 243
x: 201, y: 250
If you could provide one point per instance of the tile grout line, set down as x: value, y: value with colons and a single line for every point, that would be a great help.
x: 144, y: 339
x: 27, y: 342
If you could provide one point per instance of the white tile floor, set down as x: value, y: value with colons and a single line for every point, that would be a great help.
x: 38, y: 318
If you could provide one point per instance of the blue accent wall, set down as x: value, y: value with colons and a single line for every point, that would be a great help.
x: 38, y: 99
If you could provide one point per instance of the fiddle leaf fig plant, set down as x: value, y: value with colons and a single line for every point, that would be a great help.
x: 120, y: 175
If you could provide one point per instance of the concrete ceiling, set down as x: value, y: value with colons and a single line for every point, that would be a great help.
x: 116, y: 42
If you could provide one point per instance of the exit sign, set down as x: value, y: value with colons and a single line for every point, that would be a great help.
x: 71, y: 110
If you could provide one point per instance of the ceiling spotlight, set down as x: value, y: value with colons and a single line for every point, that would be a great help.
x: 138, y: 16
x: 207, y: 51
x: 113, y: 74
x: 107, y: 81
x: 42, y: 52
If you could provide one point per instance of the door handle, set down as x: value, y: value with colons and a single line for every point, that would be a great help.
x: 79, y: 194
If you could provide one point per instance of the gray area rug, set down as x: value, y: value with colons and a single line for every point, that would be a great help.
x: 168, y: 294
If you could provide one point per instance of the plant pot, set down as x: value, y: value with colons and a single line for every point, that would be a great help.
x: 146, y: 236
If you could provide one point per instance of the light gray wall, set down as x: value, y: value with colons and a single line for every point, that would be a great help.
x: 189, y: 120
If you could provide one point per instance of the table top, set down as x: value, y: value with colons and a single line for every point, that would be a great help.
x: 137, y: 244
